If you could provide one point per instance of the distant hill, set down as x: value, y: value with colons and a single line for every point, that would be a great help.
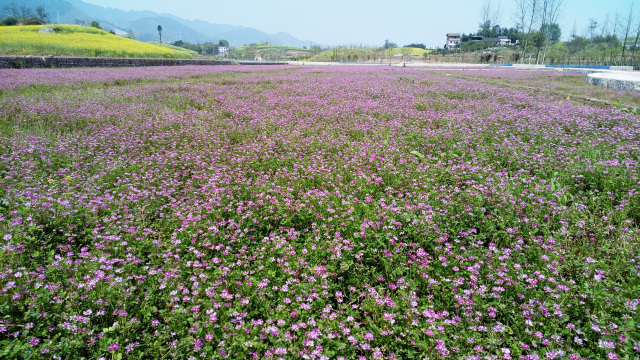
x: 143, y: 24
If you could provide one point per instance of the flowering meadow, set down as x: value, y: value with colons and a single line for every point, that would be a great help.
x: 559, y: 83
x: 76, y: 40
x: 313, y: 212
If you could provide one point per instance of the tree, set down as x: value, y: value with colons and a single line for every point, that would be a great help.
x: 476, y: 45
x: 616, y: 29
x: 485, y: 23
x: 577, y: 44
x: 593, y: 25
x: 209, y: 48
x: 223, y: 43
x: 527, y: 14
x: 490, y: 17
x: 41, y: 13
x: 389, y: 45
x: 25, y: 12
x: 549, y: 12
x: 634, y: 47
x: 10, y: 21
x: 11, y: 10
x: 552, y: 32
x: 95, y: 24
x: 414, y: 45
x: 627, y: 29
x: 160, y: 32
x: 605, y: 26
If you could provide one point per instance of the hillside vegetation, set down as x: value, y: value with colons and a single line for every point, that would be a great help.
x: 75, y: 40
x: 364, y: 54
x: 173, y: 47
x: 266, y: 51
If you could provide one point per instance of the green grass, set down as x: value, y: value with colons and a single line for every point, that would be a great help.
x: 569, y: 87
x: 268, y: 47
x: 172, y: 47
x: 363, y: 54
x: 268, y: 51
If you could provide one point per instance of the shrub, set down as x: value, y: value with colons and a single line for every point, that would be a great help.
x: 10, y: 21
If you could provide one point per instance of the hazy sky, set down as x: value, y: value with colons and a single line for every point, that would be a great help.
x: 345, y: 22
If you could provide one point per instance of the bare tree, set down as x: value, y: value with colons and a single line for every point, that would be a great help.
x: 41, y: 13
x: 25, y: 12
x: 11, y: 10
x: 520, y: 16
x: 604, y: 30
x: 496, y: 14
x: 528, y: 10
x: 616, y: 30
x: 485, y: 15
x: 593, y: 25
x: 490, y: 17
x: 551, y: 12
x: 627, y: 29
x: 635, y: 45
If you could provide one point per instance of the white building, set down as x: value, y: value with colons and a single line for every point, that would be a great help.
x: 453, y: 41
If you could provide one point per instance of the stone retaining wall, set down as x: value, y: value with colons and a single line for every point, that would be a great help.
x: 616, y: 81
x: 27, y: 62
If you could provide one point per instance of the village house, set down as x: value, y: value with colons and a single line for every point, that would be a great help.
x: 498, y: 41
x: 453, y: 41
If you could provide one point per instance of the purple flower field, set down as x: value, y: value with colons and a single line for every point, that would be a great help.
x: 315, y: 213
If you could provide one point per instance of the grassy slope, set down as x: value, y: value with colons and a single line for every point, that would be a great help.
x: 77, y: 40
x: 264, y: 47
x: 362, y: 54
x: 173, y: 47
x: 270, y: 52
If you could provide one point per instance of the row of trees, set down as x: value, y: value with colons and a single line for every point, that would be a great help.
x: 538, y: 35
x: 13, y: 13
x: 616, y: 38
x: 208, y: 48
x: 537, y: 19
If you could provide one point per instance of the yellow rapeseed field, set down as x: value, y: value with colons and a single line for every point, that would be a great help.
x: 77, y: 40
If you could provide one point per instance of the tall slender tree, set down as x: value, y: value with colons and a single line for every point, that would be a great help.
x: 635, y: 45
x: 593, y: 25
x: 614, y: 39
x: 627, y: 29
x: 160, y: 32
x: 527, y: 11
x: 41, y: 13
x: 551, y: 10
